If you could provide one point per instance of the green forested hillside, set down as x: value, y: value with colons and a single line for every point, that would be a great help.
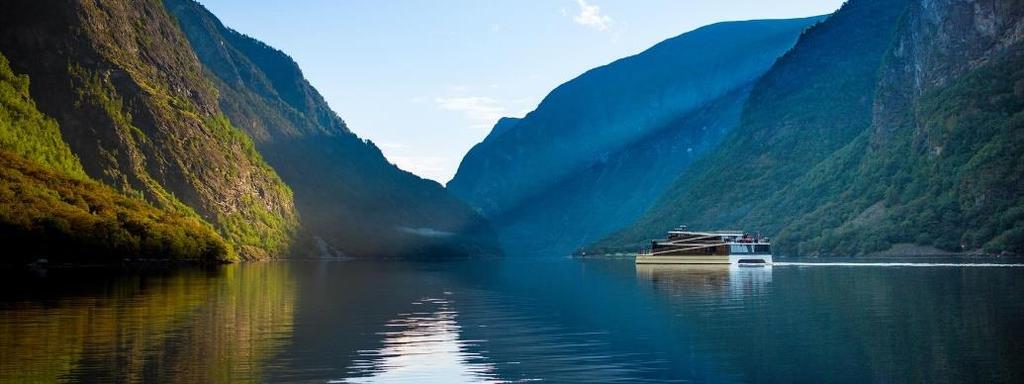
x: 909, y: 132
x: 955, y: 184
x: 50, y: 215
x: 26, y: 132
x: 49, y: 208
x: 134, y: 106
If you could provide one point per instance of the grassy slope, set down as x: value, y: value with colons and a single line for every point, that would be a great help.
x: 26, y: 132
x: 50, y: 209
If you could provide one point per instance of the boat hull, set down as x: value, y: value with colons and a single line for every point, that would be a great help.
x: 751, y: 260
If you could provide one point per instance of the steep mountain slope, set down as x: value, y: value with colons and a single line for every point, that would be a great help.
x: 942, y: 164
x: 348, y: 194
x: 49, y: 208
x: 932, y: 156
x: 132, y: 102
x: 600, y: 148
x: 618, y: 186
x: 27, y: 133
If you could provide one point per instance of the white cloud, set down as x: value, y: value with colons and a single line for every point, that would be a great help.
x: 481, y: 111
x: 432, y: 167
x: 590, y: 16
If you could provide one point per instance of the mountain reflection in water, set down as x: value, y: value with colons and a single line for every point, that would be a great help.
x: 513, y: 320
x: 185, y: 325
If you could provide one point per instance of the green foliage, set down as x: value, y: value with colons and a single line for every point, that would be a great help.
x: 950, y: 178
x: 256, y: 229
x: 46, y: 214
x: 50, y: 209
x: 27, y: 132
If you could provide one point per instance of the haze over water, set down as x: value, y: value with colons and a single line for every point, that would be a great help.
x: 516, y: 320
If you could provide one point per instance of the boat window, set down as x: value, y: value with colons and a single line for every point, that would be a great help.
x: 741, y: 248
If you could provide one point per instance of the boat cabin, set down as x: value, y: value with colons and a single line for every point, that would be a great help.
x: 684, y: 242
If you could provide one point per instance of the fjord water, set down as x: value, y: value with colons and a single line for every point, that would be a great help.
x: 514, y: 320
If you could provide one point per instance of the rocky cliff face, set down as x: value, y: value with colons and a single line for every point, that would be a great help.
x: 133, y: 103
x: 940, y: 164
x: 939, y: 41
x: 944, y: 127
x: 600, y: 148
x: 348, y: 194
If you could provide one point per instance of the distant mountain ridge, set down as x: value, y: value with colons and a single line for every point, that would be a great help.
x: 599, y: 149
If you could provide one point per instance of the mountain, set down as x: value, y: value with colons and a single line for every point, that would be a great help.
x: 347, y: 193
x: 50, y: 209
x: 599, y: 149
x: 909, y: 139
x: 156, y: 109
x: 132, y: 103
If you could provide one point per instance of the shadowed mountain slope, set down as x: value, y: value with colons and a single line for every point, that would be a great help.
x: 599, y: 149
x: 348, y: 194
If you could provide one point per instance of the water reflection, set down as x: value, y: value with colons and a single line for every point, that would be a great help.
x: 705, y: 280
x: 190, y: 325
x: 513, y: 321
x: 800, y: 323
x: 423, y: 346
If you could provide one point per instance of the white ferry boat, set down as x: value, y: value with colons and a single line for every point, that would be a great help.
x: 715, y: 247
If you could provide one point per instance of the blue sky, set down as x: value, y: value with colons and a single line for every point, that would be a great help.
x: 426, y: 79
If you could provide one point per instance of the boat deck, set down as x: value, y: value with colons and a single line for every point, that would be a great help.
x: 704, y: 260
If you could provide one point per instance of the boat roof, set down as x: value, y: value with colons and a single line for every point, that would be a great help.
x: 708, y: 233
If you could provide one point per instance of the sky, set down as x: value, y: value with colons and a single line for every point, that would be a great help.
x: 425, y: 80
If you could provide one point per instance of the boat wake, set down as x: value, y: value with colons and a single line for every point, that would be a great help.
x: 905, y: 264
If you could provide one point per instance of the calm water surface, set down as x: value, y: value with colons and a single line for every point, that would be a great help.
x: 514, y: 321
